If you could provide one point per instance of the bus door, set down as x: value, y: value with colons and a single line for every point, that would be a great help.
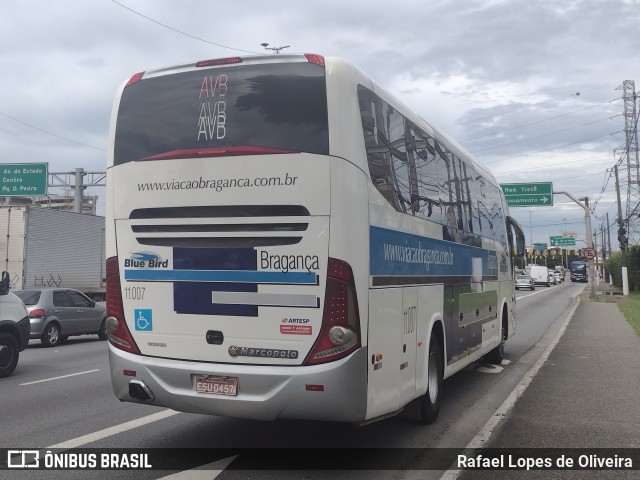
x: 408, y: 342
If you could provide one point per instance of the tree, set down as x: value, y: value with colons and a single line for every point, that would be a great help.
x: 614, y: 266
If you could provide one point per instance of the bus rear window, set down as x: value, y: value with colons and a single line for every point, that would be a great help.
x: 278, y: 106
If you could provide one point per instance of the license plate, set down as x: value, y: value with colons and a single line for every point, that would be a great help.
x: 216, y: 385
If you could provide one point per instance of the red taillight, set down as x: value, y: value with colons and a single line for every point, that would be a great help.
x: 138, y: 76
x: 219, y: 61
x: 340, y: 331
x: 314, y: 388
x: 37, y: 313
x: 117, y: 330
x: 315, y: 58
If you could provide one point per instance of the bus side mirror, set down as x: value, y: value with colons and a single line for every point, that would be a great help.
x: 514, y: 227
x: 4, y: 283
x: 519, y: 246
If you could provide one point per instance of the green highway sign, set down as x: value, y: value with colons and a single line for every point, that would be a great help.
x: 528, y: 194
x: 560, y: 241
x: 23, y: 179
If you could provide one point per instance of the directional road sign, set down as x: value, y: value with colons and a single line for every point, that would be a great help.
x: 528, y: 194
x: 23, y: 179
x: 560, y: 241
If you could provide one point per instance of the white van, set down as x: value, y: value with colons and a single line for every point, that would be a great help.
x: 540, y: 275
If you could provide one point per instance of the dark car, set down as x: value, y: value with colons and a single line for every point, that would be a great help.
x: 57, y: 313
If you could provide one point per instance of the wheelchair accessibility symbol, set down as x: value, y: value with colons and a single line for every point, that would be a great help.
x: 144, y: 319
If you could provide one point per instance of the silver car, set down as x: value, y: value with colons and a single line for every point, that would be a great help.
x: 525, y: 281
x: 57, y: 313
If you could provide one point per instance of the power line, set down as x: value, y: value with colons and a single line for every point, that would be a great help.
x: 539, y: 136
x: 185, y: 33
x: 538, y: 167
x: 577, y: 176
x: 151, y: 20
x: 553, y: 148
x: 554, y: 224
x: 543, y: 120
x: 52, y: 134
x: 542, y: 103
x: 604, y: 187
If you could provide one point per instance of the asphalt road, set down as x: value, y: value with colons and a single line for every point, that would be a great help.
x: 61, y: 397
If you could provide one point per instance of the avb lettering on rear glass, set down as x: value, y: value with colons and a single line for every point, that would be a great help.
x: 212, y: 118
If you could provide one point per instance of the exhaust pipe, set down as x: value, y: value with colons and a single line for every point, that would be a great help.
x: 139, y: 390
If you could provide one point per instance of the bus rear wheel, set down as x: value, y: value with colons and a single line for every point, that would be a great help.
x: 430, y: 401
x: 496, y: 355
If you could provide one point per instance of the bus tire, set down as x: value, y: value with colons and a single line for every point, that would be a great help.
x: 9, y: 353
x: 496, y: 355
x: 430, y: 401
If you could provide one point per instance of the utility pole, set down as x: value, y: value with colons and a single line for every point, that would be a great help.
x: 608, y: 234
x: 622, y: 239
x: 589, y: 238
x: 595, y: 246
x: 604, y: 253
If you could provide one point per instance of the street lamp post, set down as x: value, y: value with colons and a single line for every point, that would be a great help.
x: 587, y: 221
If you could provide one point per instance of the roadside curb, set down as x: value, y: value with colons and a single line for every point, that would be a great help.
x: 501, y: 413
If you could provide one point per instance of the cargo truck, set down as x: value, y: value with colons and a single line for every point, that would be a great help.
x: 43, y: 248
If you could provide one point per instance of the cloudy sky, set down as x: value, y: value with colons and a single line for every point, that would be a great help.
x: 528, y: 86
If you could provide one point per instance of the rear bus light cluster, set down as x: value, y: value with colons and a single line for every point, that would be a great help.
x: 116, y: 326
x: 340, y: 331
x: 217, y: 62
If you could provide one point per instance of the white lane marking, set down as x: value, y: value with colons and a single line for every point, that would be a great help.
x: 544, y: 289
x: 62, y: 376
x: 485, y: 432
x: 107, y: 432
x: 533, y: 293
x: 204, y: 472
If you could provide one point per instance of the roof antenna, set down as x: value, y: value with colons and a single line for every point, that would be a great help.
x: 275, y: 50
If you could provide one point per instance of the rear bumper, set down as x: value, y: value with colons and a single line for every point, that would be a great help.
x: 264, y: 392
x: 24, y: 327
x: 37, y: 327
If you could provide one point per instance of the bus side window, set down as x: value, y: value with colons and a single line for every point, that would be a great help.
x: 375, y: 119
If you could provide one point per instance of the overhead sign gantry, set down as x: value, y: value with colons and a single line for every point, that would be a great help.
x: 528, y: 194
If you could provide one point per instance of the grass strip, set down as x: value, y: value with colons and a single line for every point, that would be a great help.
x: 630, y: 307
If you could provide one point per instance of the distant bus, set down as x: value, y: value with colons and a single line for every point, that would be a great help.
x: 579, y: 271
x: 287, y: 240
